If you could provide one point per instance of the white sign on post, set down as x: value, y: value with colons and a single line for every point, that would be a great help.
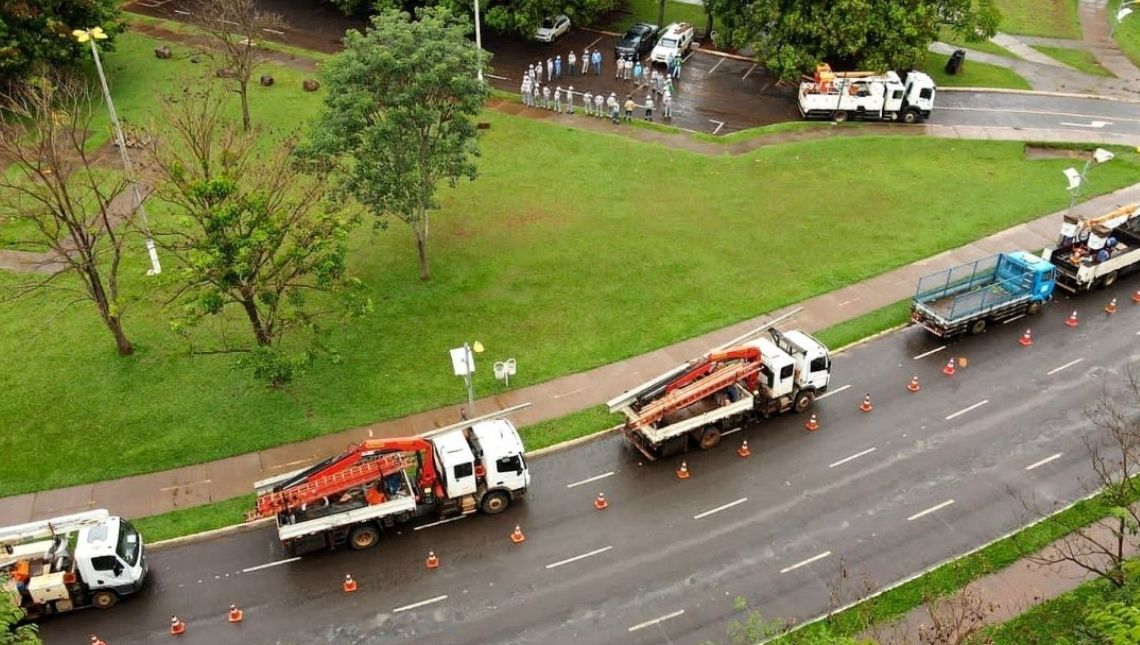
x: 462, y: 361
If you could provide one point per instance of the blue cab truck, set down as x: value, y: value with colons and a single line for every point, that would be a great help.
x: 969, y: 297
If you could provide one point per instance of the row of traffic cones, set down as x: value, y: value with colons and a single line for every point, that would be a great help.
x: 178, y: 626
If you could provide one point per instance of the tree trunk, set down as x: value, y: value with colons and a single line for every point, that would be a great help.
x: 421, y: 246
x: 122, y: 344
x: 244, y: 92
x: 709, y: 27
x: 660, y: 14
x: 251, y: 312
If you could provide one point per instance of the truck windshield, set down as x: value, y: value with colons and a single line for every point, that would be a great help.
x: 668, y: 43
x: 130, y: 544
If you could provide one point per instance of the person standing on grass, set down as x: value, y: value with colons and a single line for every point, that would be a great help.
x: 570, y: 100
x: 546, y: 97
x: 525, y: 91
x: 558, y: 67
x: 649, y: 107
x: 537, y: 96
x: 629, y: 105
x: 667, y: 105
x: 615, y: 109
x: 571, y: 63
x: 558, y: 99
x: 598, y: 100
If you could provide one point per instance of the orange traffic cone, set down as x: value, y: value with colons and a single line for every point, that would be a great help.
x: 600, y: 503
x: 913, y: 385
x: 683, y: 471
x: 1136, y: 297
x: 743, y: 451
x: 236, y: 615
x: 1026, y: 339
x: 95, y: 640
x: 177, y: 626
x: 1110, y: 308
x: 432, y: 562
x: 865, y: 406
x: 1072, y: 320
x: 517, y: 535
x: 349, y: 584
x: 812, y: 425
x: 949, y: 369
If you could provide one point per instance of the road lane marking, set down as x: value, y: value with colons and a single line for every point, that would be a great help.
x: 936, y: 507
x: 720, y: 508
x: 854, y: 456
x: 1019, y: 317
x: 428, y: 526
x: 728, y: 432
x: 933, y: 351
x: 579, y: 557
x: 835, y: 391
x: 271, y: 564
x: 1058, y: 369
x: 745, y: 77
x: 650, y: 623
x: 590, y: 479
x: 1094, y: 124
x: 1044, y: 461
x: 965, y: 410
x: 806, y: 562
x: 1040, y: 113
x: 594, y: 43
x: 419, y: 604
x: 719, y: 125
x: 718, y: 63
x: 170, y: 488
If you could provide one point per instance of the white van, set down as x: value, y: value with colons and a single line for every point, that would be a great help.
x: 675, y: 41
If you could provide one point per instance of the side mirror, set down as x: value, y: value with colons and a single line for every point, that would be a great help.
x: 118, y: 570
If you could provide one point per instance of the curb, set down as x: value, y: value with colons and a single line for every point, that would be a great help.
x: 233, y: 529
x: 1067, y: 95
x: 573, y: 442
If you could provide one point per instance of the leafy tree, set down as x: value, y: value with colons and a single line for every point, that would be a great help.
x: 10, y: 615
x: 523, y: 16
x: 236, y: 25
x: 791, y: 36
x: 1115, y: 623
x: 398, y: 116
x: 38, y: 32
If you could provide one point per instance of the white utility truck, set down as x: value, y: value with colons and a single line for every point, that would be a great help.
x: 1095, y: 251
x: 88, y: 559
x: 840, y: 96
x: 674, y: 41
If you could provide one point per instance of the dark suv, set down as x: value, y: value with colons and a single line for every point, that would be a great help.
x: 636, y: 42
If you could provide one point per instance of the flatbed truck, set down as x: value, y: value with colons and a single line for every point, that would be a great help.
x: 1094, y: 252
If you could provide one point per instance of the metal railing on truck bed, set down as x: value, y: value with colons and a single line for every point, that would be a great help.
x: 969, y: 288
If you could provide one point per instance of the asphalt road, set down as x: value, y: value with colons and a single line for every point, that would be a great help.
x: 1028, y: 111
x: 923, y: 477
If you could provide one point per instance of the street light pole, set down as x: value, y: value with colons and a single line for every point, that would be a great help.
x: 478, y: 45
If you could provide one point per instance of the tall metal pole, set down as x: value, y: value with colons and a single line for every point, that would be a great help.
x: 470, y: 384
x: 478, y: 45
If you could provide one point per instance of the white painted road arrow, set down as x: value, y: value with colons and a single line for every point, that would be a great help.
x: 1091, y: 124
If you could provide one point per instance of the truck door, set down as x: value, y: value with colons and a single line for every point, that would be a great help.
x: 109, y: 572
x: 819, y: 372
x: 507, y: 472
x: 461, y: 479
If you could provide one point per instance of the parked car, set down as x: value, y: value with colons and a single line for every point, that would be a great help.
x: 676, y: 41
x: 637, y: 41
x: 552, y: 28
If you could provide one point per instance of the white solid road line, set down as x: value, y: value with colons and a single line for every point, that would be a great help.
x: 806, y: 562
x: 745, y: 77
x: 835, y: 391
x: 1006, y: 322
x: 930, y: 510
x: 271, y: 564
x: 590, y: 479
x: 1044, y: 461
x: 1041, y: 112
x: 718, y: 63
x: 1058, y: 369
x: 720, y: 508
x: 854, y: 456
x: 656, y: 620
x: 594, y: 43
x: 933, y: 351
x: 965, y: 410
x: 428, y: 526
x: 578, y: 557
x: 419, y: 604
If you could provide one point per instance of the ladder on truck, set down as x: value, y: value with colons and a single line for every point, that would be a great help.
x: 50, y: 528
x: 722, y: 378
x: 272, y: 503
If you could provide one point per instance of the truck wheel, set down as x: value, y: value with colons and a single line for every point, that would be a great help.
x: 803, y: 401
x: 840, y: 116
x: 495, y: 502
x: 710, y: 437
x: 1108, y: 280
x: 911, y: 116
x: 978, y: 326
x: 1034, y: 308
x: 363, y: 537
x: 104, y: 599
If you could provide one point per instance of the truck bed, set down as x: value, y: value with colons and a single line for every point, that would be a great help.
x: 318, y: 519
x: 699, y: 414
x: 952, y: 306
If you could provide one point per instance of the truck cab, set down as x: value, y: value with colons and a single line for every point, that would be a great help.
x: 794, y: 368
x: 110, y: 556
x: 482, y: 466
x: 675, y: 41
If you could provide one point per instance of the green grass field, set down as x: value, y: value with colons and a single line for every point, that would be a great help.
x: 972, y: 74
x: 949, y: 37
x: 1055, y: 18
x: 1127, y: 33
x: 1078, y: 59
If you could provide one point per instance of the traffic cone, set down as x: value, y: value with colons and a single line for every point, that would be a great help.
x: 812, y: 425
x: 236, y: 615
x: 949, y: 369
x: 349, y: 584
x: 95, y: 640
x: 177, y: 627
x: 600, y: 503
x: 913, y: 385
x: 1110, y: 308
x: 743, y: 451
x: 1136, y: 297
x: 432, y: 562
x: 1072, y: 320
x: 1026, y: 339
x: 516, y: 535
x: 865, y: 406
x: 683, y: 471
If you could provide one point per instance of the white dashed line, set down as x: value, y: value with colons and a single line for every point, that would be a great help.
x: 590, y: 479
x: 806, y: 562
x: 1066, y: 365
x: 428, y: 526
x: 1044, y: 461
x: 662, y: 619
x: 266, y: 566
x: 854, y: 456
x: 835, y: 391
x: 419, y: 604
x: 930, y: 510
x: 720, y: 508
x: 578, y: 557
x: 965, y: 410
x: 933, y: 351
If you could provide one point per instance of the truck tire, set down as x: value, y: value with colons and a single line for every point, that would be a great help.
x: 911, y: 116
x: 495, y: 502
x: 978, y: 326
x: 1034, y: 308
x: 1108, y: 280
x: 804, y: 399
x: 104, y: 599
x: 840, y: 116
x: 363, y: 537
x: 709, y: 438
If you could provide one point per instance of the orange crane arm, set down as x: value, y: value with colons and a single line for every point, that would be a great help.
x: 708, y: 363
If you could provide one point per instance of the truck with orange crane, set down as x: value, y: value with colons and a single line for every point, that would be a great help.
x: 350, y: 499
x: 1094, y: 251
x: 754, y: 375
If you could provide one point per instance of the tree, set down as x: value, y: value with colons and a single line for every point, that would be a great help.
x: 236, y: 25
x: 254, y: 231
x: 37, y: 33
x: 399, y: 115
x: 70, y: 204
x: 791, y: 36
x: 11, y: 633
x: 519, y: 17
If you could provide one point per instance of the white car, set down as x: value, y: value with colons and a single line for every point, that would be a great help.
x: 676, y: 41
x: 552, y: 28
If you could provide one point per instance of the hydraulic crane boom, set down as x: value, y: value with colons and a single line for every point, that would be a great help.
x: 316, y: 488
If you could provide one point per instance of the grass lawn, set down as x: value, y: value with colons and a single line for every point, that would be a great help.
x: 1055, y: 18
x: 972, y: 74
x: 1078, y: 59
x: 1063, y: 619
x: 949, y: 37
x: 636, y: 11
x: 193, y: 520
x: 1127, y: 33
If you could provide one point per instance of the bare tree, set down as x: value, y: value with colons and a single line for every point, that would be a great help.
x: 54, y: 185
x: 955, y: 618
x: 236, y: 25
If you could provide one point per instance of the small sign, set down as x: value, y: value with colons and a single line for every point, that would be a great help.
x: 462, y: 361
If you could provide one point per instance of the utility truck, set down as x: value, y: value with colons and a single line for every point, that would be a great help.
x: 754, y: 375
x: 54, y: 566
x: 968, y: 297
x: 1095, y: 251
x: 349, y: 499
x: 866, y: 95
